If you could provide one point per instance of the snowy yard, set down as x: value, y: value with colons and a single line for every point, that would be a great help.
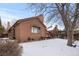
x: 51, y: 47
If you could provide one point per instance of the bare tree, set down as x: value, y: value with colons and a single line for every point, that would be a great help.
x: 67, y: 13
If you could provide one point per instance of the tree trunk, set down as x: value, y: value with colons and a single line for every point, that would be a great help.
x: 70, y: 37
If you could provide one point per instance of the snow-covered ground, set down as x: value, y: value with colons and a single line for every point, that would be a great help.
x: 51, y: 47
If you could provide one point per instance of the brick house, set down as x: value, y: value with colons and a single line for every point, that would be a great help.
x: 63, y: 34
x: 53, y: 33
x: 56, y: 33
x: 28, y: 29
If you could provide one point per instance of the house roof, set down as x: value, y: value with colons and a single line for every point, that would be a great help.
x: 28, y: 19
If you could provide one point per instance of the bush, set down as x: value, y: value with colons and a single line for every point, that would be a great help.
x: 9, y: 48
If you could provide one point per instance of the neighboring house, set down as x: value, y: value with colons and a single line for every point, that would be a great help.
x: 56, y: 33
x: 76, y: 35
x: 53, y: 33
x: 28, y: 29
x: 62, y: 34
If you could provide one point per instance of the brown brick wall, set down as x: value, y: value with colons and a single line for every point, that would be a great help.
x: 23, y: 29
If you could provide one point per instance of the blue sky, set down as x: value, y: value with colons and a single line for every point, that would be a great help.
x: 13, y: 11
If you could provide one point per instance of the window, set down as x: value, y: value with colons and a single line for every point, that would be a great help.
x: 35, y: 29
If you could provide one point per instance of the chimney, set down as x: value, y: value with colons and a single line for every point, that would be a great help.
x: 41, y: 17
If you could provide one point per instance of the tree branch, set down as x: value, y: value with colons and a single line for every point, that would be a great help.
x: 76, y: 15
